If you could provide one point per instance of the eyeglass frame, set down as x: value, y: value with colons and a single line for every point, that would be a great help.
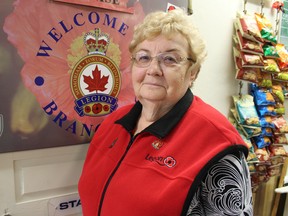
x: 161, y: 60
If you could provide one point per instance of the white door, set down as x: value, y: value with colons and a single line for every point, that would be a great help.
x: 41, y: 182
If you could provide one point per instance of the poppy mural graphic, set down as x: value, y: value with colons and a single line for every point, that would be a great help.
x: 76, y: 70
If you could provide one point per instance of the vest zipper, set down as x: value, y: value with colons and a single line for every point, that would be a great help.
x: 112, y: 175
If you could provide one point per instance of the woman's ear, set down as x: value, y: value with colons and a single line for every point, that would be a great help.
x: 193, y: 70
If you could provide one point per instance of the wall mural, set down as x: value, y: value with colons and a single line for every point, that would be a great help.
x: 64, y: 68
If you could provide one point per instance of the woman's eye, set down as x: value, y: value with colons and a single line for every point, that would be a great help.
x: 144, y: 58
x: 170, y: 59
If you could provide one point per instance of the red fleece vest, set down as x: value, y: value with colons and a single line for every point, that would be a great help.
x: 148, y: 176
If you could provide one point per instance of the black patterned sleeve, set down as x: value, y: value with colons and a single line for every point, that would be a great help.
x: 226, y: 190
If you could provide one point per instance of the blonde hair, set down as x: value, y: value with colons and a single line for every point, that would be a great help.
x: 167, y: 23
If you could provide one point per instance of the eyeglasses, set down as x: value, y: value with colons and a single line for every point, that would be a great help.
x: 169, y: 59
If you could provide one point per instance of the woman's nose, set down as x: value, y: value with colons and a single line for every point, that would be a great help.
x: 155, y: 67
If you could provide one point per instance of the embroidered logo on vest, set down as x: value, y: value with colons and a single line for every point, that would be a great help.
x: 168, y: 161
x: 157, y: 144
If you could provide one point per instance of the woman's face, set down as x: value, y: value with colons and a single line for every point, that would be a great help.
x: 164, y: 81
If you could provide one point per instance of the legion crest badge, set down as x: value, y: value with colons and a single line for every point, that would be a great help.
x: 95, y: 79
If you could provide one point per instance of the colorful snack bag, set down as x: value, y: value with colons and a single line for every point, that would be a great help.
x: 248, y: 74
x: 246, y: 110
x: 280, y: 139
x: 271, y: 66
x: 249, y: 46
x: 267, y: 132
x: 250, y: 131
x: 278, y: 94
x: 251, y: 167
x: 262, y: 97
x: 252, y: 157
x: 268, y: 110
x: 261, y: 167
x: 282, y: 76
x: 251, y: 60
x: 277, y: 150
x: 247, y: 25
x: 281, y: 125
x: 270, y: 51
x: 266, y: 121
x: 265, y: 27
x: 262, y: 154
x: 279, y: 109
x: 264, y: 80
x: 283, y: 60
x: 274, y: 170
x: 262, y: 141
x: 276, y: 160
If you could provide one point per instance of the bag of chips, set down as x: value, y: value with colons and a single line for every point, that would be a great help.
x: 266, y: 29
x: 280, y: 139
x: 262, y: 141
x: 262, y: 97
x: 270, y: 51
x: 249, y: 46
x: 246, y: 110
x: 247, y: 25
x: 267, y: 110
x: 278, y: 94
x: 281, y: 125
x: 264, y: 80
x: 262, y: 154
x: 251, y: 60
x: 248, y: 74
x: 279, y: 109
x: 266, y: 121
x: 271, y: 66
x: 283, y: 53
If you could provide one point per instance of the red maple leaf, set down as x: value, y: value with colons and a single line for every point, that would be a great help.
x: 97, y: 83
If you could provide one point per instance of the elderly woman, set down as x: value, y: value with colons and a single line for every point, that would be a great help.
x: 169, y: 153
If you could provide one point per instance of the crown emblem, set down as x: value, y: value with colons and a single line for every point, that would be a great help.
x: 96, y: 43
